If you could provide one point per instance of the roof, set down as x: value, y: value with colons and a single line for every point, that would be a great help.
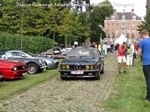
x: 128, y: 16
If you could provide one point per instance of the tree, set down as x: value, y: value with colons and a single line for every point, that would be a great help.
x: 71, y: 28
x: 145, y: 24
x: 100, y: 11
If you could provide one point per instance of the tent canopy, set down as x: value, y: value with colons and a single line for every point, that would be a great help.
x: 121, y: 39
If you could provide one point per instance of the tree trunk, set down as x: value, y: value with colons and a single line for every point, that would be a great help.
x: 66, y: 42
x: 87, y: 41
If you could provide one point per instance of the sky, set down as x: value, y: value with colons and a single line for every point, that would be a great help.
x: 127, y: 5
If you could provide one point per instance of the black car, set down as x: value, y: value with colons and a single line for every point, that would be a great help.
x: 82, y: 62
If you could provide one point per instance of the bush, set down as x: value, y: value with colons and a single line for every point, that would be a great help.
x: 30, y: 43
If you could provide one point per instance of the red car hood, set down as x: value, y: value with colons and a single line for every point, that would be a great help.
x: 10, y: 63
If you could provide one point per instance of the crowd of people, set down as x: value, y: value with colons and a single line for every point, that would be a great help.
x: 126, y: 53
x: 130, y: 53
x: 104, y: 48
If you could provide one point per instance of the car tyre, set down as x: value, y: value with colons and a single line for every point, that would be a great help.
x: 32, y: 68
x: 102, y: 72
x: 41, y: 70
x: 63, y: 78
x: 1, y: 77
x: 98, y: 75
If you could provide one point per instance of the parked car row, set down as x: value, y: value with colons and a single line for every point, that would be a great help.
x: 79, y: 62
x: 56, y: 53
x: 31, y: 63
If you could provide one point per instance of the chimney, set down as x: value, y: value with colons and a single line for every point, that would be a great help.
x: 132, y: 10
x: 115, y: 10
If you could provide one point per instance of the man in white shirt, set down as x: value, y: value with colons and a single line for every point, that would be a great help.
x: 105, y: 49
x: 132, y: 46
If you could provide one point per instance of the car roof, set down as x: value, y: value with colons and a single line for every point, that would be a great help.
x: 85, y: 48
x: 14, y: 51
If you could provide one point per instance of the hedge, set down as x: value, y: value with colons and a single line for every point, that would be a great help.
x: 29, y: 43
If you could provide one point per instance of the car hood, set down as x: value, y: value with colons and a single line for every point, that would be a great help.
x: 80, y: 61
x: 10, y: 63
x: 47, y: 59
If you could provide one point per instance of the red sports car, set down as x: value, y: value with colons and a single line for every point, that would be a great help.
x: 12, y: 70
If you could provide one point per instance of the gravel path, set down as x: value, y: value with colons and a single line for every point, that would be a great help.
x: 56, y: 95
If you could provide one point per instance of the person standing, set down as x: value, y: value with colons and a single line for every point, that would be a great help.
x: 136, y: 48
x: 112, y: 48
x: 121, y: 56
x: 144, y: 50
x: 95, y: 45
x: 129, y: 55
x: 105, y: 49
x: 132, y: 46
x: 99, y: 47
x: 116, y: 49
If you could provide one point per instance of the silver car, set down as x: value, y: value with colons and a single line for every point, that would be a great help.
x: 51, y: 63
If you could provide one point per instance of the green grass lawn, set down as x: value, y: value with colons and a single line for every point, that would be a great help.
x: 8, y: 88
x: 129, y: 92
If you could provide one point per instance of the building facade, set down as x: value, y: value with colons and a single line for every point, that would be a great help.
x: 122, y: 23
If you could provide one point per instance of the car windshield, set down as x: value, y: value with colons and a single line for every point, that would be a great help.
x: 50, y: 50
x: 31, y: 54
x: 83, y: 53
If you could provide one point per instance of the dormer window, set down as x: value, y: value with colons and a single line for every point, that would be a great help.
x: 123, y: 17
x: 112, y: 17
x: 133, y: 17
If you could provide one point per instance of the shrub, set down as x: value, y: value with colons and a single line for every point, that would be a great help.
x: 34, y: 44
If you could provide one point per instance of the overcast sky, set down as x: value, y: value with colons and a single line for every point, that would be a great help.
x: 127, y: 5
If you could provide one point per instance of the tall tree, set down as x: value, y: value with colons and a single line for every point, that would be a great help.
x: 145, y: 24
x: 100, y: 11
x: 71, y: 28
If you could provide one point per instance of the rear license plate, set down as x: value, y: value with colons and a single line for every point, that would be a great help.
x: 77, y: 72
x: 24, y: 74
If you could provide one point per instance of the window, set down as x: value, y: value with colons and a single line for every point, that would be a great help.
x: 128, y: 24
x: 107, y: 31
x: 123, y: 24
x: 117, y: 32
x: 112, y: 17
x: 133, y: 17
x: 133, y: 31
x: 107, y: 24
x: 17, y: 54
x: 133, y: 24
x: 112, y: 31
x: 113, y: 24
x: 123, y: 17
x: 117, y: 24
x: 124, y: 31
x: 128, y: 31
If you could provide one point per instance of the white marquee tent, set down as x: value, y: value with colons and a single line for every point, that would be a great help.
x: 121, y: 39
